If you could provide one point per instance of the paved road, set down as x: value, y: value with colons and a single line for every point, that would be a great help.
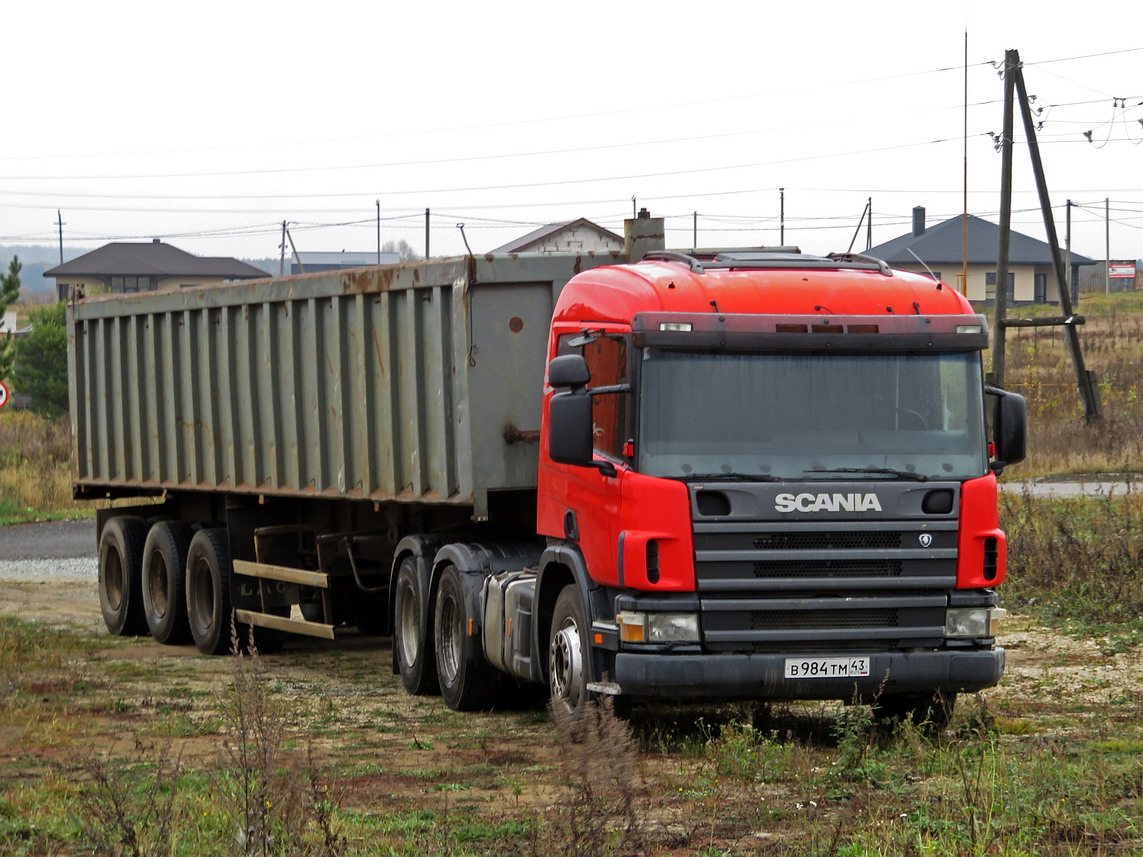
x: 1036, y: 488
x: 55, y: 550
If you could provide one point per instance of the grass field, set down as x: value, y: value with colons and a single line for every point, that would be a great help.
x: 121, y: 747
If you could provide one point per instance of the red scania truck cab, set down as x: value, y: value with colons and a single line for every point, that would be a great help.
x: 767, y: 475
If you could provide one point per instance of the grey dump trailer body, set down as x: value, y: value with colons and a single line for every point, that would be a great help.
x: 286, y: 435
x: 414, y: 383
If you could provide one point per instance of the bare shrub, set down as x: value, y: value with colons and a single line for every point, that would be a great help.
x: 125, y: 814
x: 277, y: 799
x: 599, y: 762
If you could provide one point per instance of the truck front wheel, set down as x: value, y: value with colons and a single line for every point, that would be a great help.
x: 568, y: 656
x: 415, y: 659
x: 209, y: 608
x: 164, y: 581
x: 468, y: 682
x: 120, y: 574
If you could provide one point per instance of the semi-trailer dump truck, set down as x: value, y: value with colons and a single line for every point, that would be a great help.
x: 706, y: 475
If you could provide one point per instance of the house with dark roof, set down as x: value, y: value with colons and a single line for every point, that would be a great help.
x: 572, y: 236
x: 1030, y: 275
x: 139, y: 267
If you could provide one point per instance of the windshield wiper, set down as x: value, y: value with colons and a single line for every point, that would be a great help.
x: 729, y: 477
x: 902, y: 474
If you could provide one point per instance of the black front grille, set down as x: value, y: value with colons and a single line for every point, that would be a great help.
x: 808, y: 586
x: 828, y: 568
x: 823, y: 620
x: 793, y: 541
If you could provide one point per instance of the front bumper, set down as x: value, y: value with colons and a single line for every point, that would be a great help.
x: 750, y: 676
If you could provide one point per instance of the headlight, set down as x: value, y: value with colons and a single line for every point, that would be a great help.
x: 972, y: 621
x: 658, y: 627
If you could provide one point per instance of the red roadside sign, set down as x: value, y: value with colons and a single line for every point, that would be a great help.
x: 3, y: 394
x: 1121, y: 270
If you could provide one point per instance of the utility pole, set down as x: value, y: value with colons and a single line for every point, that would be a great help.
x: 378, y: 232
x: 282, y: 252
x: 1068, y: 245
x: 1011, y: 64
x: 59, y: 220
x: 426, y: 233
x: 297, y: 258
x: 1088, y: 389
x: 782, y: 216
x: 869, y: 224
x: 694, y: 232
x: 1107, y: 245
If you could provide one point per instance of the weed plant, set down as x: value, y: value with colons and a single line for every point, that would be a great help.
x: 1078, y: 560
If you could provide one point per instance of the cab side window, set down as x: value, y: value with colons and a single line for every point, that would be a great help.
x: 607, y: 362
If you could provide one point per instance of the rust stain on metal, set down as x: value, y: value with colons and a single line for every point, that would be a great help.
x: 515, y: 324
x: 366, y: 280
x: 515, y: 435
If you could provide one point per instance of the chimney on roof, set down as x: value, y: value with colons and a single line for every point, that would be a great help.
x: 643, y: 234
x: 156, y: 241
x: 918, y: 221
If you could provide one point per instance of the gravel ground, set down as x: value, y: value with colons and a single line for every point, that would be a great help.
x: 59, y: 550
x: 70, y: 568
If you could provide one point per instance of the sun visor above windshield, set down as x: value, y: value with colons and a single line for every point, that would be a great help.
x: 896, y: 333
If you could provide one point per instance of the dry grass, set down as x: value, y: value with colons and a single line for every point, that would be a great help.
x: 1039, y: 367
x: 35, y: 469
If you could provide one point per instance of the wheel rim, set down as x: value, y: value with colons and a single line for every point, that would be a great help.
x: 157, y: 591
x: 113, y: 580
x: 410, y: 635
x: 448, y: 645
x: 566, y: 664
x: 202, y: 595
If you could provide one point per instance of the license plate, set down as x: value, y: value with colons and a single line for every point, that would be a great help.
x: 826, y: 667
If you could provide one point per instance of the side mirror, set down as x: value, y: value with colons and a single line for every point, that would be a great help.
x: 569, y: 428
x: 569, y: 370
x: 1009, y: 428
x: 570, y: 418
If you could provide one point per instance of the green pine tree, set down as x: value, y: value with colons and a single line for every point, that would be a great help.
x: 41, y: 360
x: 9, y: 293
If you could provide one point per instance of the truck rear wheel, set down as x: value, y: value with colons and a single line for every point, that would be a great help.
x: 164, y: 581
x: 415, y: 659
x: 568, y: 656
x: 467, y: 681
x: 209, y: 607
x: 120, y: 573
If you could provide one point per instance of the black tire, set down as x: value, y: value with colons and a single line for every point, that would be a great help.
x: 467, y: 681
x: 416, y: 661
x: 930, y: 712
x: 568, y: 657
x: 120, y: 573
x: 209, y: 606
x: 163, y: 581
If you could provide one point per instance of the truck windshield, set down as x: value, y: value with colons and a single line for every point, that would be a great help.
x: 878, y: 416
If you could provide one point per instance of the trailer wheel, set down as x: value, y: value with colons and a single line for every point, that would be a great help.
x: 164, y: 581
x: 467, y: 681
x: 209, y: 608
x: 415, y: 659
x: 120, y: 573
x: 568, y: 656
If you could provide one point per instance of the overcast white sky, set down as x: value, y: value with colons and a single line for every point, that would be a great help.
x: 209, y: 123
